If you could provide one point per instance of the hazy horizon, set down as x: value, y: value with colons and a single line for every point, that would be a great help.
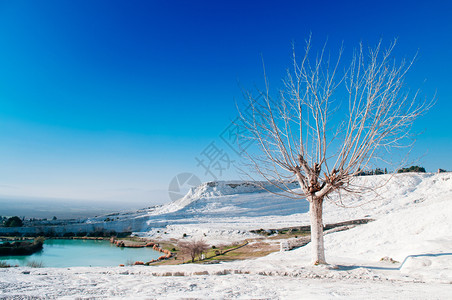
x: 64, y: 208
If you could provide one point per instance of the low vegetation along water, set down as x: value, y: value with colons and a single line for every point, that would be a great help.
x: 75, y: 253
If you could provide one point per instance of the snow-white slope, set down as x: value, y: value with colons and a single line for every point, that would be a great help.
x: 413, y: 227
x: 413, y: 220
x: 228, y: 210
x: 214, y: 209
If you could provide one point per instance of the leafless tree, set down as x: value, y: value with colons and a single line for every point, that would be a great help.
x: 193, y: 248
x: 326, y: 125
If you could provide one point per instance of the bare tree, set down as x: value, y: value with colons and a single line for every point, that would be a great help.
x: 193, y: 248
x: 326, y: 125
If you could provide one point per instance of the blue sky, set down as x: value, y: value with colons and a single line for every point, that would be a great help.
x: 109, y: 100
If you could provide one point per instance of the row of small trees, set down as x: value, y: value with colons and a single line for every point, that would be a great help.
x: 379, y: 171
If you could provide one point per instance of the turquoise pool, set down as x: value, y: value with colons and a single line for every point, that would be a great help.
x: 83, y: 253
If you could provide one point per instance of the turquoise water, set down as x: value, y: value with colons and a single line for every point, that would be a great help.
x: 83, y: 253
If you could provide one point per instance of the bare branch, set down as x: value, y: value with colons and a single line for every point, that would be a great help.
x: 301, y: 135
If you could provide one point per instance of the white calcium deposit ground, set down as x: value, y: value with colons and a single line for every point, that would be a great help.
x: 413, y: 227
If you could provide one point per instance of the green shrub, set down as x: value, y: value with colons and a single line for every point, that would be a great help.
x: 14, y: 222
x: 416, y: 169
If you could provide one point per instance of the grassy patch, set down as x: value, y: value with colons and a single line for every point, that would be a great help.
x: 288, y: 235
x: 255, y: 248
x: 251, y: 250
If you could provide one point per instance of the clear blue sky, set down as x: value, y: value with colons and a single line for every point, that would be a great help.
x: 109, y: 100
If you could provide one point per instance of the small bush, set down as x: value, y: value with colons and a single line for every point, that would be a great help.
x: 50, y: 233
x: 4, y: 265
x: 389, y: 259
x: 39, y: 240
x: 13, y: 222
x: 416, y: 169
x: 130, y: 262
x: 123, y: 234
x: 35, y: 264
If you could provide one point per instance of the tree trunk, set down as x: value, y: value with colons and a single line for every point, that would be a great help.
x: 318, y: 249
